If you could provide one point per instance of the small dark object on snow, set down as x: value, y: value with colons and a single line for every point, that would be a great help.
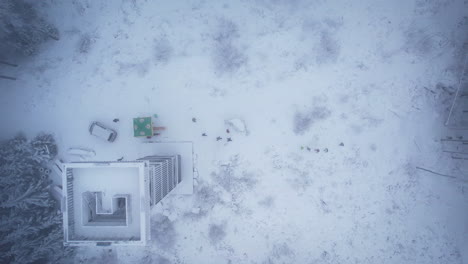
x: 120, y: 159
x: 194, y: 119
x: 308, y: 149
x: 229, y: 139
x: 317, y: 150
x: 460, y: 137
x: 449, y: 137
x: 203, y: 135
x: 116, y: 120
x: 325, y: 150
x: 218, y: 138
x: 341, y: 144
x: 227, y: 131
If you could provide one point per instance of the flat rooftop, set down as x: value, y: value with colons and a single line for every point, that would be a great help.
x: 109, y: 179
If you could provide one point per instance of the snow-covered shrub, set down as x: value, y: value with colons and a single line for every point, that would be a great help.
x: 323, y: 37
x: 216, y: 233
x: 304, y: 120
x: 206, y: 198
x: 267, y: 202
x: 227, y: 31
x: 328, y: 48
x: 227, y: 57
x: 282, y: 251
x: 21, y: 28
x: 162, y: 51
x: 163, y: 232
x: 140, y: 68
x: 84, y: 44
x: 30, y: 226
x: 152, y: 258
x: 232, y: 180
x: 103, y: 256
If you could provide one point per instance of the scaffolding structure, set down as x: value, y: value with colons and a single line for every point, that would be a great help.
x: 164, y: 175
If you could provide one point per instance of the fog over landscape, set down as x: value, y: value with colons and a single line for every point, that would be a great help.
x: 321, y: 131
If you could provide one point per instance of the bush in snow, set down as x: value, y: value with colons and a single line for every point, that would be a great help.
x: 227, y: 31
x: 85, y: 43
x: 304, y: 120
x: 162, y: 51
x: 151, y: 258
x: 216, y: 233
x: 30, y: 225
x: 227, y: 57
x: 328, y: 48
x: 163, y: 232
x: 21, y: 28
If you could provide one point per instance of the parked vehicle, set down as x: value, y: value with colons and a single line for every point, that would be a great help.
x: 99, y: 130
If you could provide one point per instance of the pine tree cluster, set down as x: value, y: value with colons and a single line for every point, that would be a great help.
x: 22, y: 29
x: 30, y: 223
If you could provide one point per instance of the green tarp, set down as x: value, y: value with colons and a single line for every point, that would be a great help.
x: 142, y: 127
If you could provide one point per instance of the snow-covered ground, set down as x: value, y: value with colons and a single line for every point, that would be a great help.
x: 377, y: 76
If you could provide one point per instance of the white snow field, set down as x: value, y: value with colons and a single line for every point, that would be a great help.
x: 298, y: 77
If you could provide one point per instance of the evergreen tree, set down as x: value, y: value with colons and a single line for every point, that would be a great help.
x: 30, y: 224
x: 21, y: 28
